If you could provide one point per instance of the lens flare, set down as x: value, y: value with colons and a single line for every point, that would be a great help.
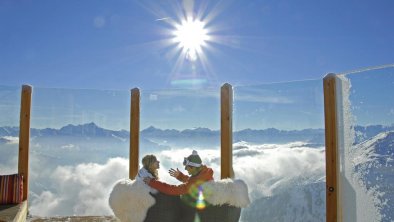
x: 200, y: 203
x: 197, y: 218
x: 196, y: 196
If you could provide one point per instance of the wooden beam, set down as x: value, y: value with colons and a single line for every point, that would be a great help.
x: 226, y: 131
x: 134, y: 132
x: 332, y: 159
x: 24, y: 138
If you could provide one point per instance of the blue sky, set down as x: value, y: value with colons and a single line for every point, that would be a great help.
x: 122, y: 44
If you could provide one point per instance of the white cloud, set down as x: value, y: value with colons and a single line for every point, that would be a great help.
x: 80, y: 190
x: 84, y: 189
x: 270, y: 166
x: 11, y: 139
x: 45, y: 203
x: 7, y: 170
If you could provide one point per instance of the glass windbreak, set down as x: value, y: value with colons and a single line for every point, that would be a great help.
x: 279, y: 150
x: 366, y: 111
x: 10, y: 101
x: 79, y: 148
x: 176, y: 122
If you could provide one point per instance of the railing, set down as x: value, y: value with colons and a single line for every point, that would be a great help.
x: 271, y: 135
x: 359, y: 113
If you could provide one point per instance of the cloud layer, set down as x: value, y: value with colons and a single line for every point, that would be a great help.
x: 83, y: 189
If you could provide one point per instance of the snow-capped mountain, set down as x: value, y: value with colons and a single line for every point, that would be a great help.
x: 172, y: 137
x: 204, y: 135
x: 366, y: 132
x: 297, y: 202
x: 373, y: 162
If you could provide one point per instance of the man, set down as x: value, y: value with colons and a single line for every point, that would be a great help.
x: 198, y: 175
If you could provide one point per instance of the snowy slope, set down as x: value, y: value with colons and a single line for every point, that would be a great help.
x: 374, y: 166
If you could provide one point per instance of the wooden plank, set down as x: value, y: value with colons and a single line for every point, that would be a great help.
x: 14, y: 212
x: 134, y: 132
x: 24, y: 137
x: 331, y: 136
x: 75, y: 219
x: 226, y: 134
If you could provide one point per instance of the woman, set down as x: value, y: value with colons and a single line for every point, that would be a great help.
x: 165, y: 208
x: 150, y: 166
x: 133, y: 200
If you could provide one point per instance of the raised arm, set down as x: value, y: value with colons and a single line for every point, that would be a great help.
x: 169, y: 189
x: 178, y: 175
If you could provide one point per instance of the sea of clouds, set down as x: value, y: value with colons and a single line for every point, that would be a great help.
x: 269, y: 170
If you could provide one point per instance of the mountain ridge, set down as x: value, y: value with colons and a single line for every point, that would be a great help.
x: 252, y: 135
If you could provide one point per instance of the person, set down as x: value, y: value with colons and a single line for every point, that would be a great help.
x: 198, y: 172
x: 150, y: 168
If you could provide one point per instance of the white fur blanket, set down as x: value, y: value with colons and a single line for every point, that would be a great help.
x: 226, y: 191
x: 130, y: 199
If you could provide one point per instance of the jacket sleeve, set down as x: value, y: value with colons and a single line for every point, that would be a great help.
x: 169, y: 189
x: 182, y: 177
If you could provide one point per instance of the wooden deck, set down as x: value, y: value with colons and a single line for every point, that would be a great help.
x: 13, y: 212
x: 74, y: 219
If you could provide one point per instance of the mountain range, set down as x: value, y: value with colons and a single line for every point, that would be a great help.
x: 203, y: 135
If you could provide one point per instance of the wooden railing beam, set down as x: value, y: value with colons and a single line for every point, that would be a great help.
x: 332, y: 159
x: 134, y: 132
x: 226, y: 134
x: 24, y: 138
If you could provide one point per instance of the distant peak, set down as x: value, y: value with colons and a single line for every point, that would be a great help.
x: 151, y: 128
x: 90, y: 124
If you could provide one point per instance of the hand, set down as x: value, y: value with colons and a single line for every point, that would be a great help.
x: 174, y: 173
x: 147, y: 180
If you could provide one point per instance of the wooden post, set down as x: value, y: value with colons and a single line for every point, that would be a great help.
x: 332, y: 159
x: 24, y: 138
x: 134, y: 132
x: 226, y: 134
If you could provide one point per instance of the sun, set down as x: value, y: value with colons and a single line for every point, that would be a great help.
x: 191, y: 35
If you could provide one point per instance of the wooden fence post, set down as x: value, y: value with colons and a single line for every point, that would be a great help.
x: 226, y: 132
x: 24, y: 138
x: 134, y: 132
x: 332, y: 160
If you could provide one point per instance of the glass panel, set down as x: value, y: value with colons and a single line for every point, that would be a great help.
x: 367, y: 144
x: 79, y: 148
x: 279, y: 150
x: 10, y: 101
x: 174, y: 122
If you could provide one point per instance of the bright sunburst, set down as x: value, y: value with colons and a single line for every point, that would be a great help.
x: 191, y: 35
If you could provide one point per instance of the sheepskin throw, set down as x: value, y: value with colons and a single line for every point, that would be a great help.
x: 227, y: 191
x: 130, y: 200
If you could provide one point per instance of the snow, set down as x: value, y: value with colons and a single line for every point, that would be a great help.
x: 358, y: 203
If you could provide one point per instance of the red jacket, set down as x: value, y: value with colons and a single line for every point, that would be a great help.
x: 206, y: 174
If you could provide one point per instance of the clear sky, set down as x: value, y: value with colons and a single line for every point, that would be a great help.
x: 122, y: 44
x: 162, y: 46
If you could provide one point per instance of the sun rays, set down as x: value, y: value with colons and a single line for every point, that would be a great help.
x: 188, y: 40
